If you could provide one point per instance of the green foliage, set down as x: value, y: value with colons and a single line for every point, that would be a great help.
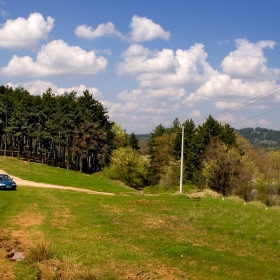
x: 170, y: 177
x: 45, y: 128
x: 58, y: 176
x: 120, y: 137
x: 165, y: 148
x: 261, y: 137
x: 133, y: 141
x: 128, y: 166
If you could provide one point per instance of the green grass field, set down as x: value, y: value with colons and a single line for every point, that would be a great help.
x: 128, y: 236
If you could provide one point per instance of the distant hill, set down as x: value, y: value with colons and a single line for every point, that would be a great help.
x: 261, y: 137
x: 143, y: 136
x: 258, y: 137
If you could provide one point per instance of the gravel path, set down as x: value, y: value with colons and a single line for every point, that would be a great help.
x: 22, y: 182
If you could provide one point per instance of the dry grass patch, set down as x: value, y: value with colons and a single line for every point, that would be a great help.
x: 64, y: 270
x: 42, y: 250
x: 150, y: 271
x: 62, y: 218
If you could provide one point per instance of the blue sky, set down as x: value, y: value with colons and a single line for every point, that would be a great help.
x: 149, y: 61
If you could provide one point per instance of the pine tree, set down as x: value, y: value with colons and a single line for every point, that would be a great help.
x: 133, y: 141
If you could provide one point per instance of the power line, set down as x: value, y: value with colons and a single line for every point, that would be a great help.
x: 258, y: 115
x: 246, y: 103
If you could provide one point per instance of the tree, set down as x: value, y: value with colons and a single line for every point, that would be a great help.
x: 120, y: 138
x: 221, y: 167
x: 133, y: 141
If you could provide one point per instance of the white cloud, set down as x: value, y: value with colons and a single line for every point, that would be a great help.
x: 104, y: 29
x: 223, y: 42
x: 248, y: 61
x: 157, y: 69
x: 144, y: 108
x: 228, y: 118
x: 25, y: 33
x: 56, y: 59
x: 150, y: 96
x: 141, y: 60
x: 38, y: 87
x: 195, y: 114
x: 264, y: 123
x: 226, y: 105
x: 223, y: 88
x: 144, y: 29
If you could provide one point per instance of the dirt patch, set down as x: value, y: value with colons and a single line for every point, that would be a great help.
x: 7, y: 248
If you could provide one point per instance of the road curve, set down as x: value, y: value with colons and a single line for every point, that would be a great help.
x: 22, y: 182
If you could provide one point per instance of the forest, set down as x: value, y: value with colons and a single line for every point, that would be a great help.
x: 74, y: 132
x: 261, y: 137
x: 65, y: 130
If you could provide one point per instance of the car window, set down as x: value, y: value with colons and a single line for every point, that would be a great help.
x: 4, y: 177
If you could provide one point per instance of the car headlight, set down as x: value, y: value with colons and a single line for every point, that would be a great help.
x: 2, y: 185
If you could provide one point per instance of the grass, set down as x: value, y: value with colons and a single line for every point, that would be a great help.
x: 42, y: 173
x: 143, y: 237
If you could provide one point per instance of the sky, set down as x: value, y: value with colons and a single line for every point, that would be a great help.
x: 150, y: 61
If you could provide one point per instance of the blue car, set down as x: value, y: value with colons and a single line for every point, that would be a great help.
x: 7, y: 183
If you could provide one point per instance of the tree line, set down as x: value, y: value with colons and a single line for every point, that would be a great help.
x: 215, y: 156
x: 62, y: 130
x: 72, y: 131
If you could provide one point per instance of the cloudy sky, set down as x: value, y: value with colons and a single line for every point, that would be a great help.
x: 150, y: 61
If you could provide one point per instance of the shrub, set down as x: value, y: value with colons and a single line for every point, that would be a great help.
x: 128, y: 166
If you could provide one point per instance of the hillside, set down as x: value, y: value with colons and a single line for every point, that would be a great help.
x: 130, y: 235
x: 261, y: 137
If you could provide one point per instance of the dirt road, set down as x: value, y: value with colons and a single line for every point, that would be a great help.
x: 22, y: 182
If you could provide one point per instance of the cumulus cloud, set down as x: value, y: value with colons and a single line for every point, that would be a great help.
x: 156, y: 69
x: 141, y: 60
x: 248, y: 61
x: 195, y: 114
x: 228, y: 118
x: 25, y: 33
x: 104, y: 29
x: 144, y: 29
x: 147, y: 108
x: 149, y: 96
x: 223, y: 87
x: 226, y: 105
x: 38, y: 87
x: 56, y: 59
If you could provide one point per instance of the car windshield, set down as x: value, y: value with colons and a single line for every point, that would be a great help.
x: 4, y: 178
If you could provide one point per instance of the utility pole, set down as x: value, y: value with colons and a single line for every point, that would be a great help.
x: 182, y: 160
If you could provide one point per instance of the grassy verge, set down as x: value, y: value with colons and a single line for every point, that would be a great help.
x: 46, y: 174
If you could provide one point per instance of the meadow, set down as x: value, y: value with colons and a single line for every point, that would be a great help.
x: 132, y: 235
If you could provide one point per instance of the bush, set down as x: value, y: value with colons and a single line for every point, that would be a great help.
x: 128, y: 166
